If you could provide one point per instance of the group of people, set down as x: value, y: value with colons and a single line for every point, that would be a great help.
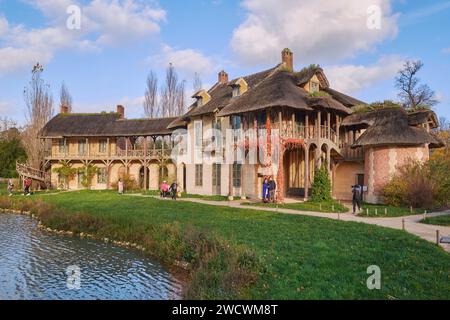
x: 268, y: 189
x: 166, y: 190
x: 27, y: 182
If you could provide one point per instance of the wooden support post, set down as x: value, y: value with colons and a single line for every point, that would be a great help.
x: 294, y: 129
x: 306, y: 173
x: 338, y: 127
x: 437, y: 237
x: 403, y: 224
x: 329, y: 125
x: 306, y: 126
x: 318, y: 121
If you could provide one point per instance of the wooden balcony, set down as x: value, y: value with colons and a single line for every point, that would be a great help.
x: 119, y: 154
x: 349, y: 154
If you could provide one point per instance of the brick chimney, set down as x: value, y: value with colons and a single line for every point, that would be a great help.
x: 223, y: 77
x: 121, y: 111
x: 287, y: 57
x: 64, y: 109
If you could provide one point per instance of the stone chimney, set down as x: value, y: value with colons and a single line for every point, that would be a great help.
x: 287, y: 57
x: 121, y: 111
x: 64, y: 109
x: 223, y: 77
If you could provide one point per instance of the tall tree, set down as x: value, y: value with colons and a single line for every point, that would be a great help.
x: 197, y: 83
x: 169, y: 92
x: 151, y: 107
x: 413, y: 94
x: 65, y: 98
x: 38, y: 111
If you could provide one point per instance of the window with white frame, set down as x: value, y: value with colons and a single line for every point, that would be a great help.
x: 198, y: 175
x: 101, y: 176
x: 102, y: 146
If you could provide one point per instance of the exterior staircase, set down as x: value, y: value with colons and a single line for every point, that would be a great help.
x: 42, y: 177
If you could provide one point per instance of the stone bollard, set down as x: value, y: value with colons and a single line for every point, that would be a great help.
x: 403, y: 224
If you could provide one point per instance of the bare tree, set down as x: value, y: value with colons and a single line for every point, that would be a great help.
x: 65, y: 99
x: 169, y: 93
x: 413, y: 94
x: 151, y: 107
x: 38, y: 111
x: 181, y: 98
x: 197, y: 84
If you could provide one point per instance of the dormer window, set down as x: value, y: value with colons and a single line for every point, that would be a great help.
x: 202, y: 98
x: 314, y: 87
x: 239, y: 87
x: 236, y: 91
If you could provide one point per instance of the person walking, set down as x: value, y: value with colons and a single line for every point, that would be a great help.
x: 272, y: 188
x: 356, y: 197
x: 27, y: 184
x: 164, y: 189
x: 120, y: 186
x: 173, y: 189
x: 10, y: 187
x: 265, y: 190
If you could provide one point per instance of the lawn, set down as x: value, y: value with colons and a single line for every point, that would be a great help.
x: 303, y: 257
x: 328, y: 206
x: 378, y: 210
x: 440, y: 221
x: 188, y: 195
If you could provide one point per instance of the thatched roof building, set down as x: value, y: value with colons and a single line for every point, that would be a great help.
x: 390, y: 126
x: 103, y: 125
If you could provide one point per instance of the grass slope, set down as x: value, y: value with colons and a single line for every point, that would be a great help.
x: 303, y: 257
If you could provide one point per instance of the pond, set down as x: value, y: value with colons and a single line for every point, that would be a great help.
x: 38, y: 265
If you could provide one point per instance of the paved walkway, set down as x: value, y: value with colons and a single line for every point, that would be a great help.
x: 412, y: 223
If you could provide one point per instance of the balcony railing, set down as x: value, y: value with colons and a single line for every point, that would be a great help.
x: 352, y: 154
x: 139, y: 153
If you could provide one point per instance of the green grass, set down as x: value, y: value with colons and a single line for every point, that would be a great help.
x: 328, y: 206
x: 189, y: 195
x: 378, y: 210
x: 440, y: 221
x: 302, y: 257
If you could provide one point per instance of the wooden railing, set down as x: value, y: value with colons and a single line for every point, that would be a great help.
x: 352, y: 154
x: 139, y: 153
x: 33, y: 173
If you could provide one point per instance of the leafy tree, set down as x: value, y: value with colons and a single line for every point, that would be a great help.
x: 412, y: 94
x: 321, y: 187
x: 11, y: 150
x: 65, y: 172
x: 88, y: 172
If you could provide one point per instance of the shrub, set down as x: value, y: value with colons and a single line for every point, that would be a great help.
x: 321, y: 187
x: 129, y: 183
x: 421, y: 185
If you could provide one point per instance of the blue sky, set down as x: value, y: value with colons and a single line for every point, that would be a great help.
x: 106, y: 62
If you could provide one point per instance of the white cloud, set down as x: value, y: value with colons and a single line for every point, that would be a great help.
x: 103, y: 22
x: 317, y: 31
x: 188, y: 61
x: 353, y: 78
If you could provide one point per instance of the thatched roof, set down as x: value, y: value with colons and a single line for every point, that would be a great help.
x: 390, y: 126
x: 222, y: 93
x: 282, y: 89
x: 103, y: 125
x: 346, y: 100
x: 423, y: 116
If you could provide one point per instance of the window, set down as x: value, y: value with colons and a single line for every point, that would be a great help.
x: 199, y: 101
x: 198, y: 175
x: 237, y: 168
x: 62, y: 146
x: 198, y: 133
x: 236, y: 91
x: 217, y: 132
x: 216, y: 170
x: 102, y: 146
x: 314, y: 87
x: 82, y: 147
x: 236, y: 126
x: 101, y: 175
